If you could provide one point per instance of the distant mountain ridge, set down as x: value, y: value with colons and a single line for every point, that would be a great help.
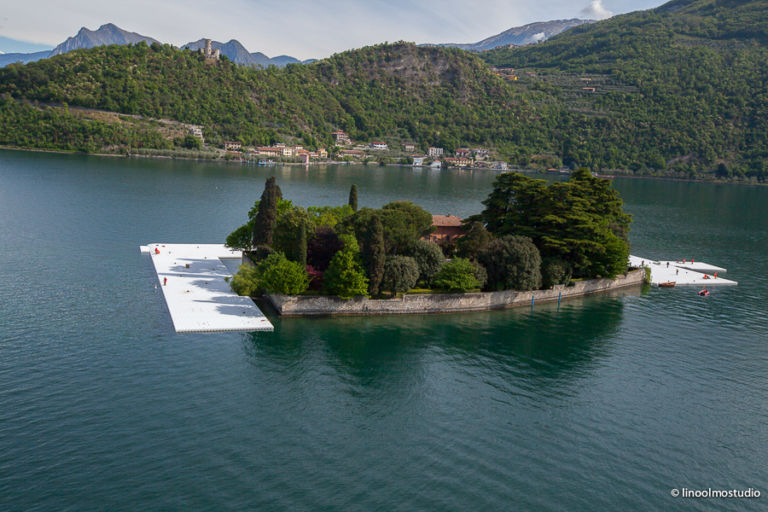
x: 110, y: 33
x: 104, y: 35
x: 237, y: 53
x: 24, y: 58
x: 520, y: 36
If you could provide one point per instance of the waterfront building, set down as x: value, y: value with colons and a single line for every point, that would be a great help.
x: 341, y: 138
x: 268, y: 151
x: 463, y: 153
x: 458, y: 162
x: 447, y: 228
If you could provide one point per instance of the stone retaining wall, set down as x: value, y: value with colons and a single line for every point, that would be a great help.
x: 300, y: 305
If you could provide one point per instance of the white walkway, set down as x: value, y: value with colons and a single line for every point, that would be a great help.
x: 198, y: 298
x: 682, y: 273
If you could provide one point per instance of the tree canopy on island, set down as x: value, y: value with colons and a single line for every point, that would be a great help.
x: 530, y: 234
x: 580, y: 221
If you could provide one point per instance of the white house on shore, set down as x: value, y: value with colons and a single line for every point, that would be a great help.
x: 196, y: 131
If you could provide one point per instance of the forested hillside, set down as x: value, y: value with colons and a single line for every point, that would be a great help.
x: 680, y: 87
x: 432, y: 95
x: 679, y: 90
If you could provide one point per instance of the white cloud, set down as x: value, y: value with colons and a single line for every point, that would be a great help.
x: 540, y: 36
x: 596, y: 11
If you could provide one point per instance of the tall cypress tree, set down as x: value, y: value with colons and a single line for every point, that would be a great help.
x: 264, y: 223
x: 353, y: 197
x: 374, y: 255
x: 301, y: 245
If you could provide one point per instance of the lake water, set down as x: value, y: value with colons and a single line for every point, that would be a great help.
x: 606, y: 403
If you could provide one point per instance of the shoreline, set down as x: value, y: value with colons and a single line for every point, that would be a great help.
x: 336, y: 162
x: 444, y: 303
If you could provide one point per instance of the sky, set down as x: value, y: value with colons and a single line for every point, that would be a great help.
x: 300, y: 28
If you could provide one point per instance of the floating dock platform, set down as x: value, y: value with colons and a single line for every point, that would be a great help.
x: 682, y: 273
x: 199, y: 299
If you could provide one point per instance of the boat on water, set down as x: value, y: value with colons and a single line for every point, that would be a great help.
x: 667, y: 284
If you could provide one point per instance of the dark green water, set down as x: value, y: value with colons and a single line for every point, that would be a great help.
x: 605, y: 404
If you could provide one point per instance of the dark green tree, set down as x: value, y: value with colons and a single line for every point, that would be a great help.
x: 192, y: 142
x: 480, y: 273
x: 264, y: 222
x: 353, y: 197
x: 400, y: 274
x: 554, y: 271
x: 329, y: 216
x: 345, y: 276
x: 512, y: 263
x: 515, y: 205
x: 403, y: 222
x: 474, y: 240
x: 290, y: 235
x: 322, y: 247
x: 429, y: 257
x: 242, y: 237
x: 301, y: 247
x: 417, y: 217
x: 374, y: 254
x: 580, y: 221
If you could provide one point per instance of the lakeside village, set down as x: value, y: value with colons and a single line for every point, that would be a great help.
x: 347, y: 151
x: 528, y: 237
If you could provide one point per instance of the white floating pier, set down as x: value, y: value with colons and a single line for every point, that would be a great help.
x: 192, y: 277
x: 681, y: 273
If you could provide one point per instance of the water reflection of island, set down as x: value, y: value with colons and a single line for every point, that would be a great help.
x: 543, y: 348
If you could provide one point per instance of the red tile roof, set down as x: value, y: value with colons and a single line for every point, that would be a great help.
x: 446, y: 220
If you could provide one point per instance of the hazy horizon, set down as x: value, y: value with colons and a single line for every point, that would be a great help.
x: 293, y: 27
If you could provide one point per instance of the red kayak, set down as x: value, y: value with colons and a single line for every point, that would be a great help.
x: 704, y: 293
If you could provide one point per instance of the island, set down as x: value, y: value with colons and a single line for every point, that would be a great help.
x: 534, y: 241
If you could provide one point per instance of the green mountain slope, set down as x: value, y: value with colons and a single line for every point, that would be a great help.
x: 432, y: 95
x: 680, y: 87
